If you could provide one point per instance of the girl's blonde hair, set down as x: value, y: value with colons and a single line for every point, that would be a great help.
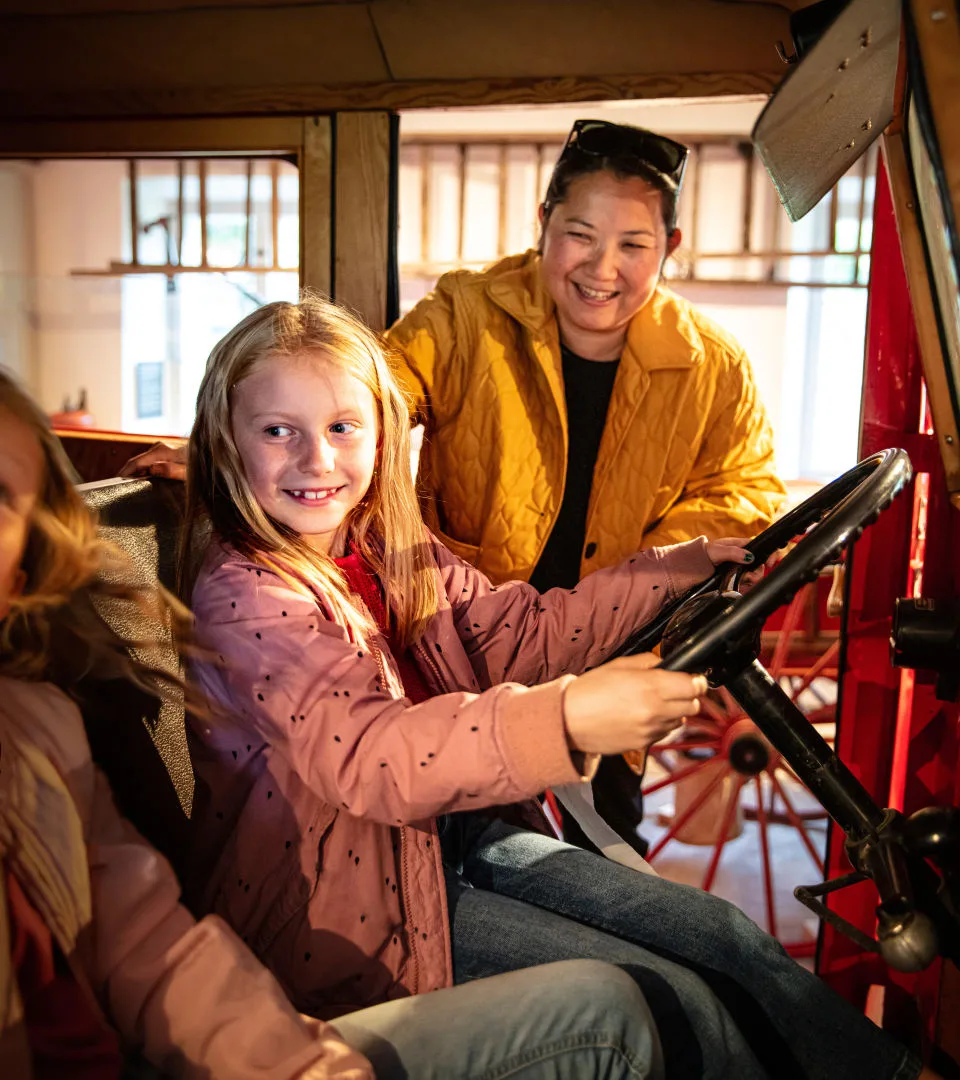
x: 385, y: 528
x: 54, y: 630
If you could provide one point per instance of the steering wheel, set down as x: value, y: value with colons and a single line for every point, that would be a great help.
x: 715, y: 631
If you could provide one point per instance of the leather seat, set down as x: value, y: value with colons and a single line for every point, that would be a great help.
x: 139, y: 742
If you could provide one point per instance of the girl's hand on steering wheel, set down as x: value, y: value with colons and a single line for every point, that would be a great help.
x: 628, y: 704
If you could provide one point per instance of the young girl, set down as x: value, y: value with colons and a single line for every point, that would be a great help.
x: 369, y: 682
x: 90, y: 924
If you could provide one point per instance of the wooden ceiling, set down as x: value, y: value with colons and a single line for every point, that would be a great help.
x: 102, y: 7
x: 89, y: 7
x: 147, y: 58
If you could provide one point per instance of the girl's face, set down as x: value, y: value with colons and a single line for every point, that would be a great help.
x: 603, y: 249
x: 307, y: 435
x: 21, y: 475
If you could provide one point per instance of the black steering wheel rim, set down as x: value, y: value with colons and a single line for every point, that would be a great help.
x: 830, y: 519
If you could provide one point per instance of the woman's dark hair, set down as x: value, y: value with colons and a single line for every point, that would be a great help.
x: 626, y: 152
x: 576, y: 165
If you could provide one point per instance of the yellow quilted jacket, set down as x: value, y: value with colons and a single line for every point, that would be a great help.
x: 686, y: 449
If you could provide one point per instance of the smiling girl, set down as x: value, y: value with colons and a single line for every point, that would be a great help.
x: 377, y: 700
x: 98, y: 958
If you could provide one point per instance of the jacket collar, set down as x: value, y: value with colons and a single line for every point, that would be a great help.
x: 662, y: 334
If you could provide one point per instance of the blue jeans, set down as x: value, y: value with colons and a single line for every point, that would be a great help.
x: 571, y: 1021
x: 726, y: 998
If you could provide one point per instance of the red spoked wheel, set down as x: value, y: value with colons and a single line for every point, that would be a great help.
x: 722, y: 772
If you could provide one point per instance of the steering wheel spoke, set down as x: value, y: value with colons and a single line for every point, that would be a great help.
x: 810, y: 757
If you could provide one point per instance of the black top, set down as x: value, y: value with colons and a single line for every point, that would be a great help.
x: 587, y: 386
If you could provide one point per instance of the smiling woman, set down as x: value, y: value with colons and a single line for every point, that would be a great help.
x: 576, y: 410
x: 602, y: 252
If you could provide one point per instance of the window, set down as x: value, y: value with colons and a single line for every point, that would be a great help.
x: 118, y: 276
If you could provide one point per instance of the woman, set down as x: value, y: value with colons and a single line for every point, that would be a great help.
x: 576, y: 410
x: 534, y: 376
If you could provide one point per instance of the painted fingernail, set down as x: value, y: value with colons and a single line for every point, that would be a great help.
x: 748, y: 556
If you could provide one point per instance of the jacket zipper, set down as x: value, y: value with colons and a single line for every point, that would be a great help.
x: 375, y: 648
x: 566, y: 459
x: 378, y: 654
x: 434, y: 667
x: 408, y: 910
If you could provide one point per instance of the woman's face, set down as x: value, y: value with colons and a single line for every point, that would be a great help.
x: 603, y: 248
x: 21, y: 474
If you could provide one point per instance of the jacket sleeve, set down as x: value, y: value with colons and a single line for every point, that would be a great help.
x: 732, y: 489
x: 293, y: 679
x: 423, y: 345
x: 511, y: 632
x: 423, y: 342
x: 191, y: 994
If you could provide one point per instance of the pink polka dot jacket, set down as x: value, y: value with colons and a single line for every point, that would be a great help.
x: 319, y: 783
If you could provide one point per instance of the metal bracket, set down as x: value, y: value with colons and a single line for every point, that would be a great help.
x: 807, y: 895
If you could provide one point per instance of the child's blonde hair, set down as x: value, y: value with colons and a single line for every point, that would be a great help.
x: 385, y: 528
x: 53, y: 630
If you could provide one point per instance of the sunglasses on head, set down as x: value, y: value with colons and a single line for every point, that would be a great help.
x: 599, y: 138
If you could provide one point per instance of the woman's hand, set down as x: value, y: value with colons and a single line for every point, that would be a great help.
x: 732, y: 549
x: 626, y: 705
x: 162, y: 459
x: 726, y: 549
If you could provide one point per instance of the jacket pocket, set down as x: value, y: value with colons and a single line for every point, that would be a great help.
x: 272, y: 862
x: 468, y: 552
x: 295, y: 898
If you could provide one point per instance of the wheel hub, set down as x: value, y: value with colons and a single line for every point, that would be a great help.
x: 746, y: 749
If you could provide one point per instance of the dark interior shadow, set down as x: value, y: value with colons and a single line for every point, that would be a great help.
x: 138, y: 741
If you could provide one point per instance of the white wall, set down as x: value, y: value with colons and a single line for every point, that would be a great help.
x: 757, y: 318
x: 688, y: 116
x: 78, y: 225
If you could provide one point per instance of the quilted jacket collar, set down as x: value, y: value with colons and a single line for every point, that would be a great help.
x: 516, y: 285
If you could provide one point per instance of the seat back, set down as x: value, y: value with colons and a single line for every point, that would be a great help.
x: 139, y: 742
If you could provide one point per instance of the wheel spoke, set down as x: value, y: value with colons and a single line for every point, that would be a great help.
x: 728, y: 811
x: 711, y: 711
x: 734, y: 712
x: 797, y: 822
x: 814, y: 672
x: 689, y: 770
x: 679, y: 822
x: 700, y: 744
x: 790, y: 619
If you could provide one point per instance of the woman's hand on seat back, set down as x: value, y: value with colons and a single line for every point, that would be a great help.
x: 628, y: 704
x: 167, y: 459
